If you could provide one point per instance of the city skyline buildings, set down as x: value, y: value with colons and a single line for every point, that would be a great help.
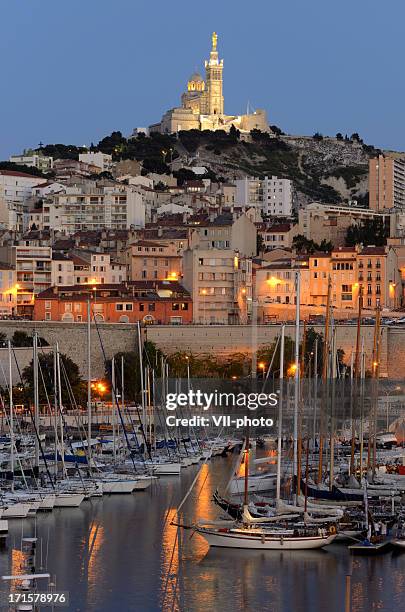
x: 319, y: 82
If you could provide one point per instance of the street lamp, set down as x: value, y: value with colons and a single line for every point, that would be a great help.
x: 262, y: 366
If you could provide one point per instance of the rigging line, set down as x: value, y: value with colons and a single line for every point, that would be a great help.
x: 66, y: 428
x: 115, y: 398
x: 35, y: 426
x: 131, y: 422
x: 197, y: 475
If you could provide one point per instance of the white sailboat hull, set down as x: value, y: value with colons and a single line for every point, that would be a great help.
x: 229, y: 539
x: 118, y: 486
x: 142, y: 484
x: 3, y: 528
x: 47, y: 503
x: 166, y: 469
x: 68, y: 500
x: 262, y: 483
x: 16, y: 511
x: 398, y: 543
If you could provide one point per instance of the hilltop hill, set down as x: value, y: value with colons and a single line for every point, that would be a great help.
x: 322, y: 168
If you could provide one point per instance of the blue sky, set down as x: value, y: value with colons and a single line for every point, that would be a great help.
x: 73, y: 71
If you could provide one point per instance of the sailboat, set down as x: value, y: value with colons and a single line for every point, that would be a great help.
x: 258, y: 533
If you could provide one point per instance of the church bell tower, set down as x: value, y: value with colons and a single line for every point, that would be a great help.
x: 213, y: 70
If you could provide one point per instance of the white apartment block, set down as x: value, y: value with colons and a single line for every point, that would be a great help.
x: 220, y: 283
x: 15, y: 190
x: 93, y: 208
x: 272, y: 195
x: 97, y: 158
x: 33, y: 160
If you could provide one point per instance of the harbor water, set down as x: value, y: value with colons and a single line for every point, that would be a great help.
x: 122, y: 553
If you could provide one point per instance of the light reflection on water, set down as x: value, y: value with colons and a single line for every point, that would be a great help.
x: 123, y: 553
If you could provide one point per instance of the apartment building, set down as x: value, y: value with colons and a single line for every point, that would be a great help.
x: 15, y: 192
x: 278, y: 235
x: 272, y: 195
x: 330, y: 222
x: 33, y: 160
x: 86, y: 268
x: 67, y: 168
x: 379, y: 277
x: 351, y: 270
x: 226, y: 232
x: 164, y: 303
x: 220, y: 283
x: 275, y: 281
x: 91, y: 207
x: 386, y: 183
x: 33, y: 270
x: 341, y: 268
x: 8, y: 289
x: 150, y: 260
x: 62, y: 270
x: 103, y: 161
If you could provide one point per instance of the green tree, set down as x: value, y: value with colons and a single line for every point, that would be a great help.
x: 369, y: 231
x: 304, y: 245
x: 21, y: 339
x: 132, y: 376
x: 69, y: 370
x: 260, y: 245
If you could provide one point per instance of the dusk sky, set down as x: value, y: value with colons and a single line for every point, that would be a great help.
x: 73, y: 71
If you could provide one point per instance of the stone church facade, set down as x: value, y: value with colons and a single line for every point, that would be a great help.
x: 202, y: 105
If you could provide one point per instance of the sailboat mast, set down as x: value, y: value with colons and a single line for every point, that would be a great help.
x: 357, y: 367
x: 36, y: 396
x: 113, y: 407
x: 142, y: 380
x: 324, y: 378
x: 376, y: 375
x: 62, y: 441
x: 280, y: 414
x: 10, y: 391
x: 246, y: 495
x: 297, y: 374
x: 89, y: 382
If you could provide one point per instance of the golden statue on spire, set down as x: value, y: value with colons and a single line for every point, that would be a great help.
x: 214, y: 41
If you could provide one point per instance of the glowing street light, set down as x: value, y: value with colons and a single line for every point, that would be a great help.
x: 292, y: 369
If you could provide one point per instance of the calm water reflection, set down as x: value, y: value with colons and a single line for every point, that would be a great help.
x: 121, y: 553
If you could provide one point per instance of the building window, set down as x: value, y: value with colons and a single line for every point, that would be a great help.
x: 128, y: 306
x: 151, y: 307
x: 119, y: 306
x: 47, y: 305
x: 68, y: 307
x: 141, y: 307
x: 47, y: 316
x: 78, y: 307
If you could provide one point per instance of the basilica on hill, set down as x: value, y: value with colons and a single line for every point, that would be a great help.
x: 202, y: 105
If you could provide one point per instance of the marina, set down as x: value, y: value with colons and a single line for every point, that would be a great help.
x: 99, y: 554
